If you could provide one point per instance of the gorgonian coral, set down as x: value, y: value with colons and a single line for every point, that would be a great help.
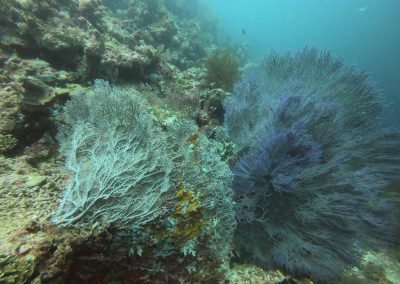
x: 116, y: 158
x: 128, y: 172
x: 313, y: 164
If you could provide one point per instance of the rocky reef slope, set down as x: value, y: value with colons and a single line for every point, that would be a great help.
x: 51, y: 51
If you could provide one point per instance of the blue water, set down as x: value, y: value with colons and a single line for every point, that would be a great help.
x: 365, y: 32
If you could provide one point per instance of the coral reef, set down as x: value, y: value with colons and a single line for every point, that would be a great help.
x: 7, y: 143
x: 186, y: 95
x: 29, y: 90
x: 170, y: 187
x: 212, y: 110
x: 77, y: 40
x: 29, y: 186
x: 313, y: 164
x: 251, y: 274
x: 162, y: 123
x: 49, y: 48
x: 51, y: 51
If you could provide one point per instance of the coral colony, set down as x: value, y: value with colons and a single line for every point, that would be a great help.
x: 313, y: 162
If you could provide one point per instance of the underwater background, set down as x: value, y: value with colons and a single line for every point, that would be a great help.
x: 364, y: 32
x: 199, y: 141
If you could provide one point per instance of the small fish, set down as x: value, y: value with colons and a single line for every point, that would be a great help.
x: 243, y: 32
x: 362, y: 9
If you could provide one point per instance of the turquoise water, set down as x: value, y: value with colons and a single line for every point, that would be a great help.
x: 366, y: 33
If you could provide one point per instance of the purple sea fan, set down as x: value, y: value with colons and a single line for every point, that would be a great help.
x: 313, y: 164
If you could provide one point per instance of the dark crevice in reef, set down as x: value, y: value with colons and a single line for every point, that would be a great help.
x: 67, y: 60
x: 135, y: 75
